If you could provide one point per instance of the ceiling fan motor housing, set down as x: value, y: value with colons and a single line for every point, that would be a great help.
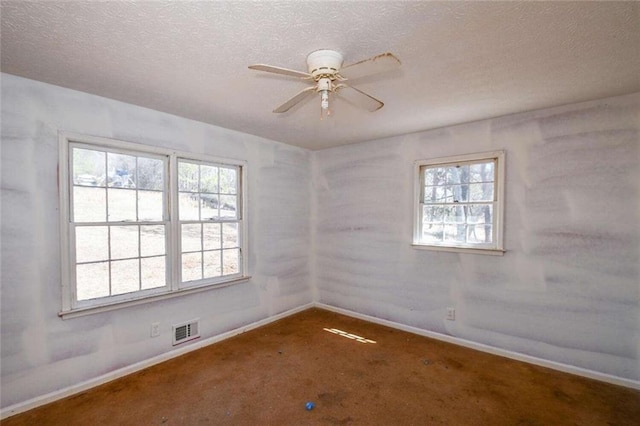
x: 324, y: 64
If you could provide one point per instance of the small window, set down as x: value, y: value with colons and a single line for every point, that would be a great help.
x: 459, y: 203
x: 140, y: 222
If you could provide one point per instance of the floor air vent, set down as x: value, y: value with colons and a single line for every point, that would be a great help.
x: 185, y: 332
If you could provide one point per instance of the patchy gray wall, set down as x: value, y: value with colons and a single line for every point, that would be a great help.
x: 567, y: 289
x: 42, y: 353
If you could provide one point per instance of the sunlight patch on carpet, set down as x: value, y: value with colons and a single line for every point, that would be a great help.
x: 349, y: 335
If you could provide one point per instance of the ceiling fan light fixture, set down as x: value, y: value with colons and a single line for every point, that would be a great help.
x: 326, y: 72
x: 324, y: 104
x: 325, y: 85
x: 324, y: 99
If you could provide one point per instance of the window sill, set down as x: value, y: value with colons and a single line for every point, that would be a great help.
x: 485, y: 251
x: 80, y: 312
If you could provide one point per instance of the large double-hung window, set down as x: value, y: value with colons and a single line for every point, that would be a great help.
x: 140, y: 223
x: 209, y: 220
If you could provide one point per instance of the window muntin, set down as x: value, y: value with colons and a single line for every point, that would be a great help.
x: 121, y: 227
x: 459, y: 202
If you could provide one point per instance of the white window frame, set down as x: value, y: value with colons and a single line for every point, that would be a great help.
x: 71, y: 307
x: 497, y: 246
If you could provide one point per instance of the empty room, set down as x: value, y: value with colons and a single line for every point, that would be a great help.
x: 320, y: 212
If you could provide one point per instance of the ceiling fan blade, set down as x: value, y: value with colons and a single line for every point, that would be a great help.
x: 358, y: 98
x: 299, y: 97
x: 279, y: 70
x: 377, y: 64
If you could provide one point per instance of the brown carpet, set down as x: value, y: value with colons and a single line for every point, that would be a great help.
x: 265, y: 377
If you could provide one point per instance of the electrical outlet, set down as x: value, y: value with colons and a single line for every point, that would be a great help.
x: 155, y: 329
x: 451, y: 314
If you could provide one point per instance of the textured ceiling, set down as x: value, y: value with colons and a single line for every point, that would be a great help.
x: 461, y: 61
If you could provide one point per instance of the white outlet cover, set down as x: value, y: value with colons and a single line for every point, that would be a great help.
x: 155, y: 329
x: 451, y: 314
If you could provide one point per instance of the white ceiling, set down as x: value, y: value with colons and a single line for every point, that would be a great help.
x: 461, y: 61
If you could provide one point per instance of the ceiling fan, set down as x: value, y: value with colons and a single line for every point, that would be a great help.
x: 329, y: 76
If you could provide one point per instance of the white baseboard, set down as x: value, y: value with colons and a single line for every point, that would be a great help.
x: 198, y: 344
x: 634, y: 384
x: 80, y: 387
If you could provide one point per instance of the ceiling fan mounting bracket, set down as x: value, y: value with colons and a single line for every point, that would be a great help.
x: 324, y: 64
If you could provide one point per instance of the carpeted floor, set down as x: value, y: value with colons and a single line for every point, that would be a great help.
x: 388, y: 377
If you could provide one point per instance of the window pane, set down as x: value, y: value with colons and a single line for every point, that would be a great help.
x: 89, y: 204
x: 150, y: 173
x: 122, y: 205
x: 463, y: 172
x: 230, y: 261
x: 189, y: 206
x: 187, y: 177
x: 208, y: 179
x: 212, y: 264
x: 152, y: 240
x: 437, y: 194
x: 121, y: 170
x: 210, y: 200
x: 434, y: 176
x: 481, y: 192
x: 432, y: 233
x: 191, y: 237
x: 124, y: 242
x: 455, y: 233
x: 450, y: 175
x: 209, y: 206
x: 454, y: 214
x: 482, y: 172
x: 92, y: 243
x: 150, y: 206
x: 460, y: 193
x: 448, y: 195
x: 480, y: 234
x: 228, y: 181
x: 229, y: 235
x: 125, y: 276
x: 228, y: 205
x: 480, y: 213
x: 457, y: 174
x: 153, y: 272
x: 88, y: 167
x: 212, y: 239
x: 92, y: 280
x: 433, y: 214
x: 191, y: 266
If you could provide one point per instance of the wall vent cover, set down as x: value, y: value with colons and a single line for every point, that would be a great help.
x: 185, y: 332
